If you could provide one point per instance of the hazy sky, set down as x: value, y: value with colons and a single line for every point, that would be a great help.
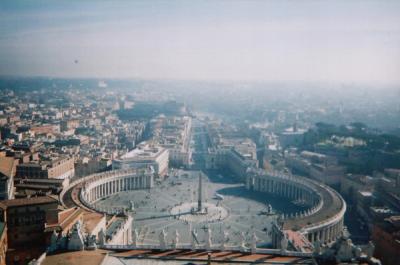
x: 343, y: 41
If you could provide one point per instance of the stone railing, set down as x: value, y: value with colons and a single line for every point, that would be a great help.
x: 123, y: 229
x: 212, y: 248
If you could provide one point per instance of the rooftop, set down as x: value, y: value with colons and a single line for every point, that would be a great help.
x: 7, y: 165
x: 27, y: 201
x: 94, y: 257
x: 91, y: 220
x: 170, y: 257
x: 144, y: 151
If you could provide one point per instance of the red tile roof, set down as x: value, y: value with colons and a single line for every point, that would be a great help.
x: 27, y: 201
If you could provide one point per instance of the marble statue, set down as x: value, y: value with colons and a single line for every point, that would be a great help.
x: 92, y: 242
x: 369, y: 250
x: 162, y: 238
x: 208, y: 238
x: 135, y: 238
x: 284, y: 243
x: 175, y: 240
x: 225, y: 236
x: 76, y: 241
x: 193, y: 239
x: 254, y: 242
x: 53, y: 241
x: 345, y: 251
x: 242, y: 241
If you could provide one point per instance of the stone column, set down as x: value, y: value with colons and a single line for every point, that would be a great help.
x: 284, y: 190
x: 328, y: 234
x: 337, y: 233
x: 321, y: 235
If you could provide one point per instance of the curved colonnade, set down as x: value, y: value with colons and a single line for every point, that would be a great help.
x: 101, y: 185
x: 322, y: 221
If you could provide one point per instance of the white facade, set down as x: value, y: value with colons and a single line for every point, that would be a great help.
x: 145, y: 156
x: 229, y: 158
x: 174, y: 134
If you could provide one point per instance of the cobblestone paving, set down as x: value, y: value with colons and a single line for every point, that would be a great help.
x: 155, y: 210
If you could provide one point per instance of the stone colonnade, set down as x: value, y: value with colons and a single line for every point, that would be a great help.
x: 325, y: 233
x: 288, y: 187
x: 307, y: 192
x: 113, y: 182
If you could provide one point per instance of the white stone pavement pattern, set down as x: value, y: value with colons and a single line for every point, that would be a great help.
x: 171, y: 206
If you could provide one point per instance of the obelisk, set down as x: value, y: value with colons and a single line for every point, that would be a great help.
x: 199, y: 202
